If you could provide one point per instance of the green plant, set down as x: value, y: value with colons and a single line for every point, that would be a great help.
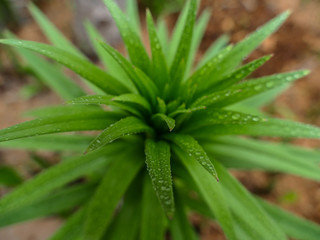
x: 172, y: 116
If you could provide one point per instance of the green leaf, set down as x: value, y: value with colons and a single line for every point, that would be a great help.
x: 213, y: 50
x: 203, y: 74
x: 57, y: 176
x: 247, y: 209
x: 160, y: 118
x: 190, y: 146
x: 188, y: 111
x: 253, y: 154
x: 247, y: 89
x: 180, y: 227
x: 153, y: 218
x: 199, y: 30
x: 53, y: 143
x: 96, y: 119
x: 109, y: 100
x: 133, y: 15
x: 179, y: 64
x: 211, y: 192
x: 9, y: 177
x: 137, y: 52
x: 114, y: 69
x: 159, y: 72
x: 52, y: 33
x: 84, y: 68
x: 162, y: 31
x: 56, y: 202
x: 293, y: 225
x: 224, y: 122
x: 124, y: 127
x: 49, y: 74
x: 142, y: 82
x: 240, y: 73
x: 176, y: 34
x: 269, y: 128
x: 108, y: 194
x: 133, y: 98
x: 242, y: 50
x: 129, y: 216
x: 73, y: 227
x: 158, y: 163
x: 59, y: 110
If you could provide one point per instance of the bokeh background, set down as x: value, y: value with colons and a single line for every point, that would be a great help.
x: 295, y: 46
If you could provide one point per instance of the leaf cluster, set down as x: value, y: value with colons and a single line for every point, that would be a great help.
x: 164, y: 145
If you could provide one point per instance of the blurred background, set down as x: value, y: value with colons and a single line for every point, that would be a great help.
x: 295, y: 46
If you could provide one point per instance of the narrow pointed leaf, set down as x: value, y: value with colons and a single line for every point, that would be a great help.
x: 124, y: 127
x: 177, y: 34
x: 181, y: 57
x: 188, y: 110
x: 53, y: 203
x: 133, y: 98
x: 145, y: 86
x: 53, y: 143
x: 213, y: 50
x: 243, y: 49
x: 224, y: 122
x: 108, y: 61
x: 180, y: 227
x: 190, y: 146
x: 92, y: 99
x: 129, y: 216
x: 72, y: 228
x: 60, y: 110
x: 247, y: 209
x: 107, y: 100
x: 293, y: 225
x: 84, y: 68
x: 211, y: 191
x: 250, y: 154
x: 248, y: 89
x: 91, y: 120
x: 240, y: 73
x: 137, y: 52
x: 108, y: 194
x: 50, y: 74
x: 133, y: 14
x: 256, y: 126
x: 195, y: 81
x: 158, y: 163
x: 57, y: 176
x: 162, y: 31
x: 52, y: 33
x: 153, y: 217
x: 160, y: 117
x: 159, y: 66
x: 199, y: 30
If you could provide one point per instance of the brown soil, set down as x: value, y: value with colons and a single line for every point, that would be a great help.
x: 296, y: 45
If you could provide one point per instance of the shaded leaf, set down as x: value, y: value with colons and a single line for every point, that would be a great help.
x: 109, y: 192
x: 9, y: 177
x: 137, y: 52
x: 211, y: 192
x: 84, y: 68
x: 153, y: 218
x: 55, y: 177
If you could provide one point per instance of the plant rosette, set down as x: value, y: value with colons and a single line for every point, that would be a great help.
x: 167, y: 136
